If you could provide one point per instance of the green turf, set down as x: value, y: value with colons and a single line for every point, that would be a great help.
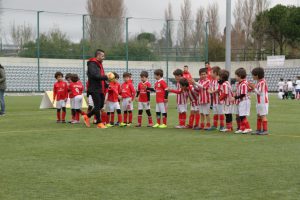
x: 40, y: 159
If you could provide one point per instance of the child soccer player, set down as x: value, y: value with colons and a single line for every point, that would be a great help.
x: 60, y: 94
x: 68, y: 79
x: 226, y: 96
x: 76, y: 89
x: 204, y: 98
x: 143, y: 99
x: 112, y: 101
x: 235, y: 109
x: 127, y: 93
x: 161, y: 89
x: 262, y: 104
x: 217, y: 103
x: 244, y: 103
x: 181, y: 99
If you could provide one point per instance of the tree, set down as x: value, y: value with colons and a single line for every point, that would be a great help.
x: 21, y: 34
x: 238, y: 29
x: 248, y: 11
x: 212, y: 15
x: 149, y: 37
x: 105, y: 26
x: 168, y: 33
x: 185, y: 24
x: 198, y: 33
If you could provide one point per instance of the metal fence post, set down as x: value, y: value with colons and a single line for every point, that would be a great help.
x: 38, y: 49
x: 206, y: 41
x: 127, y: 54
x: 83, y: 50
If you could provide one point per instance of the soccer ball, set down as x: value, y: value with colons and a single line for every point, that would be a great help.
x: 110, y: 76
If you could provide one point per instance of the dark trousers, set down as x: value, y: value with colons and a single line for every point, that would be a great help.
x: 98, y: 99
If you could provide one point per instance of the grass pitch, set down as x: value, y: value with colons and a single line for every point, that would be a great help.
x: 40, y: 159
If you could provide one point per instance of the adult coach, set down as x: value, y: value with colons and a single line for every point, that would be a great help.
x: 2, y: 89
x: 96, y: 87
x: 186, y: 74
x: 208, y: 68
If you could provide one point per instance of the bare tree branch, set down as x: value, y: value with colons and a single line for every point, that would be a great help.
x: 212, y: 15
x: 198, y: 34
x: 185, y: 24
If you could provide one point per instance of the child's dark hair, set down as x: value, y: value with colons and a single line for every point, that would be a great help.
x: 126, y: 74
x: 116, y: 75
x: 207, y: 63
x: 178, y: 72
x: 216, y: 70
x: 259, y: 72
x: 241, y: 72
x: 98, y: 51
x: 281, y: 79
x: 185, y: 66
x: 224, y: 75
x: 184, y: 82
x: 130, y: 74
x: 159, y: 72
x: 202, y: 70
x: 68, y: 75
x: 74, y: 78
x: 58, y: 74
x: 144, y: 74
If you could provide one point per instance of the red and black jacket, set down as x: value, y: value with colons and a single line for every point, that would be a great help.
x: 96, y: 76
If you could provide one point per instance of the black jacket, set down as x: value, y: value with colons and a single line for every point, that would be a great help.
x: 96, y: 80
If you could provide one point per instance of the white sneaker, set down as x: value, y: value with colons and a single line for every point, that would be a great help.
x: 75, y: 122
x: 179, y: 127
x: 247, y: 131
x: 238, y: 131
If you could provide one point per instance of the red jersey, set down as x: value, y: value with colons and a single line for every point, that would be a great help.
x: 113, y: 91
x: 60, y: 91
x: 204, y: 96
x: 261, y: 91
x: 182, y: 95
x: 242, y: 88
x: 127, y: 90
x: 160, y: 88
x: 187, y: 75
x: 226, y: 93
x: 76, y: 88
x: 144, y: 94
x: 215, y: 86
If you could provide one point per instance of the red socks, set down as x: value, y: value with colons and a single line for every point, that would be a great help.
x: 139, y: 119
x: 158, y: 120
x: 103, y: 117
x: 265, y: 125
x: 258, y: 124
x: 125, y: 118
x: 182, y: 119
x: 150, y: 122
x: 130, y: 117
x: 197, y: 120
x: 63, y: 116
x: 191, y: 120
x: 112, y: 118
x: 222, y: 118
x: 202, y: 125
x: 58, y: 115
x: 216, y: 118
x: 165, y: 120
x: 229, y: 126
x: 119, y: 118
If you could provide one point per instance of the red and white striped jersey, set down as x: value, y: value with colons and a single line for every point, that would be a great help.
x: 182, y: 97
x: 242, y: 88
x: 226, y: 92
x: 202, y: 87
x: 215, y: 86
x: 193, y: 96
x: 261, y: 91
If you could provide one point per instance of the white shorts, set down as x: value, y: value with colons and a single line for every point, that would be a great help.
x: 127, y: 104
x: 244, y: 108
x: 72, y: 103
x: 235, y: 109
x: 161, y: 107
x: 78, y: 102
x: 195, y: 108
x: 182, y: 108
x: 143, y: 105
x: 204, y: 108
x: 218, y: 109
x: 60, y: 104
x: 262, y: 109
x: 90, y: 100
x: 228, y: 109
x: 112, y: 106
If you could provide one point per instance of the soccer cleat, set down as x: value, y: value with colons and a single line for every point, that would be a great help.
x: 256, y: 132
x: 75, y: 122
x: 263, y: 133
x: 213, y: 128
x: 222, y: 129
x: 109, y: 125
x: 246, y: 131
x: 150, y: 125
x: 101, y: 125
x: 117, y: 124
x: 129, y: 124
x: 63, y: 121
x: 123, y: 124
x: 188, y: 127
x: 156, y: 125
x: 58, y: 121
x: 238, y: 131
x: 86, y: 120
x: 179, y: 127
x: 94, y: 121
x: 197, y: 128
x: 138, y: 126
x: 225, y: 130
x: 162, y: 126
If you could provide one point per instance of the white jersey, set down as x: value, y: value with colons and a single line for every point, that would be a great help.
x: 290, y: 86
x: 298, y: 85
x: 280, y: 85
